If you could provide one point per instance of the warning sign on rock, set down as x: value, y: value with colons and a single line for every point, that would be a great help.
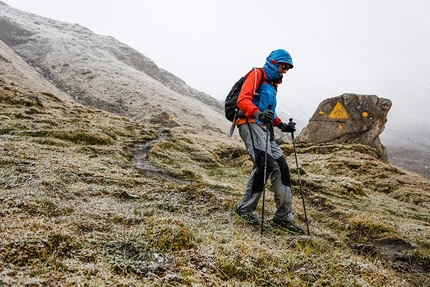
x: 349, y: 118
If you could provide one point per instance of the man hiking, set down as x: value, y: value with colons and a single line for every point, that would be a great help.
x: 257, y: 104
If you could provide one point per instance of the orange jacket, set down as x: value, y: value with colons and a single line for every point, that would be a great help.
x: 244, y: 100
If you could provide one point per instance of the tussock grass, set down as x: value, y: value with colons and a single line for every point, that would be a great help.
x: 75, y: 212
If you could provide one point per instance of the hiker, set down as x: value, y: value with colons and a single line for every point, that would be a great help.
x: 258, y: 113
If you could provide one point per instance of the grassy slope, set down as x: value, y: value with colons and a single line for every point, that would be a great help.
x: 75, y: 211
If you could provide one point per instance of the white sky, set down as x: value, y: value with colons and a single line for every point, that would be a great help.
x: 361, y: 46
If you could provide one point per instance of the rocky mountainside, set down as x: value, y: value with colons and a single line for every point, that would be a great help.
x: 19, y: 73
x: 91, y: 198
x: 101, y: 72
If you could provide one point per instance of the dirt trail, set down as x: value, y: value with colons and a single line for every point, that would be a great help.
x: 139, y: 153
x: 394, y: 250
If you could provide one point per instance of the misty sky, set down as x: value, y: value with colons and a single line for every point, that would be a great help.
x: 367, y: 46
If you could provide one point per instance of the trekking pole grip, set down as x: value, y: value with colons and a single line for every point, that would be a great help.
x: 292, y: 133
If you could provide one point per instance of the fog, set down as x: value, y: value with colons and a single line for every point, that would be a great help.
x: 366, y: 46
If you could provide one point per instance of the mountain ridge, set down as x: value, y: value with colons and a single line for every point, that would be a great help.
x: 99, y: 70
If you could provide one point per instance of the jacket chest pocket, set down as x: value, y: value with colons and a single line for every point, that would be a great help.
x: 266, y: 96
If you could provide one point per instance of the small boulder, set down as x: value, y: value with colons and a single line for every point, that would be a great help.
x: 164, y: 119
x: 349, y: 118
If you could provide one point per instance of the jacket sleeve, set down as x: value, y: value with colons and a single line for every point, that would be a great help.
x: 276, y: 122
x: 244, y: 101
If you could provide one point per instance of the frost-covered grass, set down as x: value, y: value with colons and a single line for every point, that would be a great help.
x: 75, y: 212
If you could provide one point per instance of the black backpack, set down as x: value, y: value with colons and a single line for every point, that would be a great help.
x: 230, y: 104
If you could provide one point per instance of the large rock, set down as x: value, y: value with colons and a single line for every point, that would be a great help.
x: 349, y: 118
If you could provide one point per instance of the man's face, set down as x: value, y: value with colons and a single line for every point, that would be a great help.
x: 283, y: 68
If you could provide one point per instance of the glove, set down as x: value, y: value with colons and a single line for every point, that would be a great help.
x: 287, y: 128
x: 266, y: 116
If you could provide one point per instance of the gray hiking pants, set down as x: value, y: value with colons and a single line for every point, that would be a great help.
x: 277, y: 169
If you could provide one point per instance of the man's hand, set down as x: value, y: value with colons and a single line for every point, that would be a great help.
x: 287, y: 128
x: 266, y: 116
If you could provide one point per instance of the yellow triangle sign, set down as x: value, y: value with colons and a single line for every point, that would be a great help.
x: 338, y: 112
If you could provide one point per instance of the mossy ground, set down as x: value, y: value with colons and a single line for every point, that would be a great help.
x: 76, y: 212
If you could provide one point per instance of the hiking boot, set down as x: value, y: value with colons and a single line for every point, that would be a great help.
x: 290, y: 225
x: 250, y: 218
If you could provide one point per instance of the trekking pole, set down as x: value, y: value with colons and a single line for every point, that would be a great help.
x: 264, y: 183
x: 300, y: 182
x: 265, y: 177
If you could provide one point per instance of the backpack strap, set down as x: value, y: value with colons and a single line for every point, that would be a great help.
x: 255, y: 81
x: 262, y: 80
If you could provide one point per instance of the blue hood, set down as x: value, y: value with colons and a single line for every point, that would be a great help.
x: 272, y: 63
